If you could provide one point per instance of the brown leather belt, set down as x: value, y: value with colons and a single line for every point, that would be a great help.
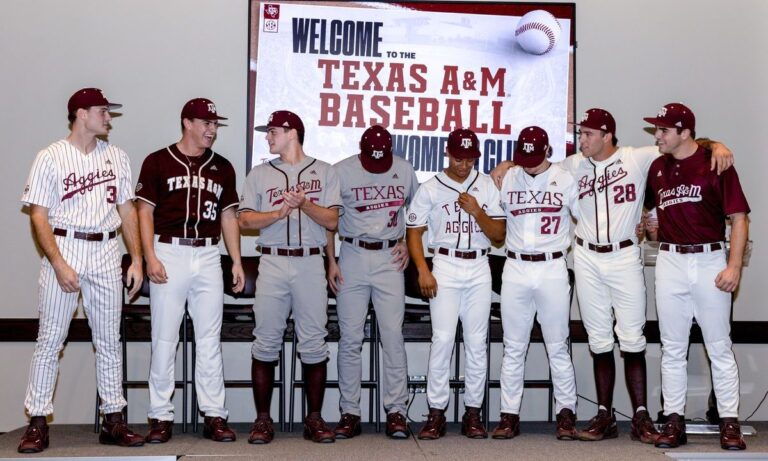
x: 371, y: 245
x: 290, y: 251
x: 188, y: 241
x: 536, y: 257
x: 91, y: 237
x: 607, y: 248
x: 462, y: 254
x: 690, y: 249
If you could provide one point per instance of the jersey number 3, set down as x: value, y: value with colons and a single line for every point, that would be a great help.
x: 111, y: 194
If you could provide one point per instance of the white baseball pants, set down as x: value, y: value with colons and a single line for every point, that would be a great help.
x: 194, y: 279
x: 537, y: 289
x: 463, y: 292
x: 685, y: 289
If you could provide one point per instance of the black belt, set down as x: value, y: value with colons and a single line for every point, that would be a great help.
x: 462, y: 254
x: 604, y: 248
x: 689, y: 249
x: 188, y: 241
x: 290, y: 251
x: 371, y: 245
x: 91, y: 237
x: 536, y: 257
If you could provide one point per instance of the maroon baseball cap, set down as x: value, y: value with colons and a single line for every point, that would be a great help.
x: 674, y: 115
x: 89, y: 97
x: 201, y: 108
x: 463, y: 144
x: 598, y: 119
x: 376, y: 149
x: 282, y: 119
x: 532, y: 147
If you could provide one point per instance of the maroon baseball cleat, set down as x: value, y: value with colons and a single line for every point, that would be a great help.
x: 642, y: 428
x: 471, y: 424
x: 348, y: 427
x: 730, y: 435
x: 673, y: 433
x: 216, y: 429
x: 159, y: 431
x: 509, y: 426
x: 114, y: 431
x: 435, y: 426
x: 566, y: 425
x: 35, y: 438
x: 261, y: 431
x: 602, y: 426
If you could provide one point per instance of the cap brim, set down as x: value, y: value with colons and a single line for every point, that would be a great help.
x: 659, y: 122
x: 376, y: 166
x: 262, y: 128
x: 527, y: 161
x: 113, y: 105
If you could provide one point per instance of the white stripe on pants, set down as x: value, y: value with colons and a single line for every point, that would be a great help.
x: 537, y: 289
x: 463, y: 292
x: 685, y: 289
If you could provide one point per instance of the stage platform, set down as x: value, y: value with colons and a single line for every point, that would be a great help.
x: 536, y: 442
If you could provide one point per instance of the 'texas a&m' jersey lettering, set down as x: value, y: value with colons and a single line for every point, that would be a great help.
x: 436, y: 205
x: 188, y: 193
x: 611, y: 193
x: 538, y: 209
x: 80, y: 190
x: 374, y: 204
x: 263, y: 192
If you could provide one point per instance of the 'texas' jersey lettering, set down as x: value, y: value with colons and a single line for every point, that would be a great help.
x: 379, y: 192
x: 183, y: 182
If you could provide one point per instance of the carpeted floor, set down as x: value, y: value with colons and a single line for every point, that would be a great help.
x: 536, y: 442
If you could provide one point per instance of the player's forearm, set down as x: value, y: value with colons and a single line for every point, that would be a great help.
x: 739, y: 236
x: 494, y: 229
x: 257, y: 220
x: 230, y: 230
x: 130, y: 227
x: 326, y: 217
x: 330, y: 247
x: 416, y: 248
x: 147, y: 229
x: 44, y: 234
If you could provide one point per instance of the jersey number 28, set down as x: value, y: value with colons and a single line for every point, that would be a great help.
x: 624, y: 193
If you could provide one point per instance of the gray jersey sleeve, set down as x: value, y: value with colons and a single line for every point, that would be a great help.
x: 251, y: 198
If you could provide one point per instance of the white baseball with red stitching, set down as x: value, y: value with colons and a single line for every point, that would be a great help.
x: 538, y: 32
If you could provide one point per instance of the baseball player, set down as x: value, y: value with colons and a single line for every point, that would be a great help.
x: 694, y: 277
x: 79, y: 192
x: 375, y: 188
x: 187, y: 200
x: 609, y: 273
x: 292, y: 200
x: 461, y: 209
x: 538, y: 199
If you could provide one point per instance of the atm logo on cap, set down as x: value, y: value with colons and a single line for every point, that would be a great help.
x: 662, y: 112
x: 466, y: 143
x: 528, y: 147
x: 211, y: 108
x: 377, y: 154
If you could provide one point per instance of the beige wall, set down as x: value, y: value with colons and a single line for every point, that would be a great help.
x: 152, y: 56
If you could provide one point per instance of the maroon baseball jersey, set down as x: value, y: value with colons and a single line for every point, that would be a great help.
x: 188, y: 193
x: 692, y: 201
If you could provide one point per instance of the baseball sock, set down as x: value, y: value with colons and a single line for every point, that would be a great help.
x: 604, y: 368
x: 263, y: 378
x: 635, y: 375
x: 314, y: 385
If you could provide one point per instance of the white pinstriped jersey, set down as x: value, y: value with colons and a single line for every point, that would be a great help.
x: 436, y: 205
x: 79, y: 190
x: 538, y: 209
x: 263, y: 192
x: 374, y: 204
x: 611, y: 193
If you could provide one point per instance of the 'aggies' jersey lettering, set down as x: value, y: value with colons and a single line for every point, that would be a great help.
x: 263, y: 192
x: 611, y: 193
x: 538, y: 209
x: 188, y: 193
x: 436, y: 205
x: 80, y: 190
x: 374, y: 204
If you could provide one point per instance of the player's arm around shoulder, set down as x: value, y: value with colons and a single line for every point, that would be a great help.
x: 500, y: 171
x: 65, y: 275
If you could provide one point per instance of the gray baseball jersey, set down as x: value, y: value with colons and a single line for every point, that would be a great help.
x: 263, y: 191
x: 374, y: 203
